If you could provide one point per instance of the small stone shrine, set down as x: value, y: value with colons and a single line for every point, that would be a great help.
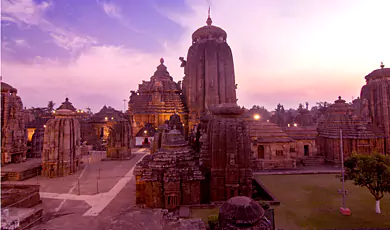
x: 37, y: 142
x: 242, y: 213
x: 119, y: 139
x: 61, y: 147
x: 171, y: 176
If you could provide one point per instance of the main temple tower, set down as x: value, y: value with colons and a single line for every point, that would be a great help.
x: 375, y: 101
x: 209, y: 72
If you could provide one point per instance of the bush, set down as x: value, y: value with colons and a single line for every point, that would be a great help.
x: 212, y: 219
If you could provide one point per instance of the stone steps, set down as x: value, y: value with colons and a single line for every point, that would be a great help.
x: 314, y: 160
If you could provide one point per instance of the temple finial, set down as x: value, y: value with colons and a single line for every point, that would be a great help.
x: 162, y: 61
x: 209, y: 21
x: 382, y: 65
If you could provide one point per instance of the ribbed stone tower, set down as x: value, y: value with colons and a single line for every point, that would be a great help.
x: 209, y: 72
x: 119, y: 139
x: 13, y: 140
x: 375, y: 100
x: 61, y: 145
x: 229, y: 148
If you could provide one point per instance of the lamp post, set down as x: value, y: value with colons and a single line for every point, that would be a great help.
x: 343, y: 210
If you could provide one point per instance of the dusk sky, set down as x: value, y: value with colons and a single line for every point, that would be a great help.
x: 285, y: 51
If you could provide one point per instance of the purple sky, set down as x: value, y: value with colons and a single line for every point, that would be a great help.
x: 285, y: 51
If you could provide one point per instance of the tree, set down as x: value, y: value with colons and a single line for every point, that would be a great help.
x: 50, y: 106
x: 372, y: 172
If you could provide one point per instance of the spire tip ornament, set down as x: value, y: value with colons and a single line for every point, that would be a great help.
x: 382, y: 65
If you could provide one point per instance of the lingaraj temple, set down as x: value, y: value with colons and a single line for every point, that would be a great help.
x: 204, y: 147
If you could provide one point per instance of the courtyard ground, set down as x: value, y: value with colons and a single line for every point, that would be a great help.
x: 312, y: 202
x: 101, y: 195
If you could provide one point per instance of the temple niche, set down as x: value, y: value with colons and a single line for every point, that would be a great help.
x: 61, y: 148
x: 359, y: 135
x: 119, y: 140
x: 375, y: 101
x: 13, y: 133
x: 209, y: 72
x: 156, y: 100
x: 171, y: 176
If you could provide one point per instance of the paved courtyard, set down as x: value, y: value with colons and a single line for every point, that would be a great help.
x: 98, y: 196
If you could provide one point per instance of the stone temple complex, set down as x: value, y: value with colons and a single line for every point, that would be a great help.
x: 61, y: 148
x: 375, y: 101
x: 359, y: 134
x: 209, y: 78
x: 156, y: 100
x: 13, y: 135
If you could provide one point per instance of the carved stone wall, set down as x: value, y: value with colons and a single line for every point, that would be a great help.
x: 119, y: 139
x: 61, y: 148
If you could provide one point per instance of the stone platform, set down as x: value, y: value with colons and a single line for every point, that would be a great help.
x: 21, y: 218
x: 22, y: 171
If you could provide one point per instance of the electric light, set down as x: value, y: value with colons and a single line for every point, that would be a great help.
x: 295, y: 125
x: 44, y: 126
x: 256, y: 116
x: 106, y: 118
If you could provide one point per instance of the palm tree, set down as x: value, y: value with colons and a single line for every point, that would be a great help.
x: 50, y: 106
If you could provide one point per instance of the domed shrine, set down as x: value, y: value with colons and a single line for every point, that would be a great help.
x: 156, y: 100
x: 13, y: 140
x: 375, y: 101
x: 61, y: 147
x: 209, y: 72
x: 170, y: 177
x: 242, y: 213
x: 119, y: 140
x: 359, y: 135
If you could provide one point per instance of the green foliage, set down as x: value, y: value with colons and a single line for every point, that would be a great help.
x: 213, y: 219
x: 370, y: 171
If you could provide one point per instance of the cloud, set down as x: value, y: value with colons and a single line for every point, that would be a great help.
x: 28, y: 13
x: 314, y: 53
x: 112, y: 10
x: 22, y: 43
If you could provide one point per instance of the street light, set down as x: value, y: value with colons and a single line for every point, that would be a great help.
x: 343, y: 210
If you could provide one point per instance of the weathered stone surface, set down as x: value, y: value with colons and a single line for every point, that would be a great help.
x: 171, y: 176
x: 13, y: 134
x: 230, y: 154
x: 119, y: 140
x: 209, y: 72
x: 359, y: 135
x: 242, y: 212
x: 375, y: 101
x: 61, y: 148
x: 37, y: 142
x: 156, y: 100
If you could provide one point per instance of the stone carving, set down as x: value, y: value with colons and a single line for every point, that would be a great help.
x: 61, y: 147
x: 119, y: 140
x: 13, y: 138
x: 37, y: 142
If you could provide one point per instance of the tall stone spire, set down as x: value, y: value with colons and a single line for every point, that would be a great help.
x: 209, y: 72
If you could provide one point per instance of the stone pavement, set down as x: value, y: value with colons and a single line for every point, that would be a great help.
x: 102, y: 200
x: 305, y: 170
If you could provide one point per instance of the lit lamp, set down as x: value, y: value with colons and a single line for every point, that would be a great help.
x: 145, y: 131
x: 295, y: 124
x: 112, y: 118
x: 44, y: 126
x: 256, y: 116
x: 106, y: 118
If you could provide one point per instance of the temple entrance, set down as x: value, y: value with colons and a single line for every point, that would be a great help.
x: 146, y: 141
x: 306, y: 150
x: 101, y: 131
x: 172, y: 201
x: 260, y: 152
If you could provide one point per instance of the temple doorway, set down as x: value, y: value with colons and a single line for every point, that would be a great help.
x: 172, y: 201
x: 101, y: 131
x: 260, y: 152
x: 306, y: 150
x: 146, y: 141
